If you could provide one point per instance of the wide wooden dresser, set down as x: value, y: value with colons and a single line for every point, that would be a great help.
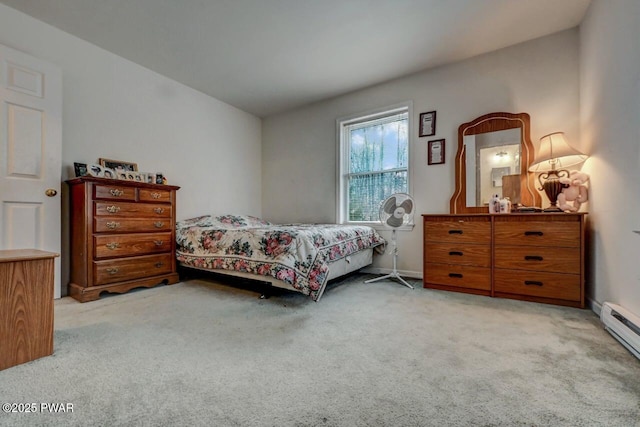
x: 527, y: 256
x: 122, y: 236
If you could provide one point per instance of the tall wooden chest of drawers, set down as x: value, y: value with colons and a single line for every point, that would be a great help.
x: 534, y: 257
x: 122, y: 236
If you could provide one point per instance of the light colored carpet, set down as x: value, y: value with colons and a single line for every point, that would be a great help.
x: 202, y: 353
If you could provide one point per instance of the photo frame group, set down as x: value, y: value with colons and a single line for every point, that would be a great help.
x: 117, y: 169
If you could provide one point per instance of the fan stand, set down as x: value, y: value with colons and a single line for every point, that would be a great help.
x: 394, y: 273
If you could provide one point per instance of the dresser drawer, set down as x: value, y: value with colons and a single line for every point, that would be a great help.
x: 147, y: 195
x: 538, y: 284
x: 559, y: 260
x: 114, y: 192
x: 538, y: 233
x: 114, y: 245
x: 459, y: 230
x: 131, y: 268
x: 124, y: 209
x: 119, y: 225
x: 458, y: 275
x: 454, y: 253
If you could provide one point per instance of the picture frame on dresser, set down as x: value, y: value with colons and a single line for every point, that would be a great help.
x: 118, y: 164
x: 80, y: 169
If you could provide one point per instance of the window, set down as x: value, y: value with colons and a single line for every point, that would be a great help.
x: 374, y: 162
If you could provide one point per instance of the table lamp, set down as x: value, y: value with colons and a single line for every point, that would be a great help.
x: 554, y: 154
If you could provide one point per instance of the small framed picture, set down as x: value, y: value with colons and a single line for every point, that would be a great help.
x: 118, y: 164
x: 159, y: 178
x: 435, y: 151
x: 80, y: 169
x: 121, y: 174
x: 151, y: 178
x: 109, y: 173
x: 427, y: 124
x: 95, y: 170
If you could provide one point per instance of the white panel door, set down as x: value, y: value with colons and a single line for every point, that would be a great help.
x: 30, y: 154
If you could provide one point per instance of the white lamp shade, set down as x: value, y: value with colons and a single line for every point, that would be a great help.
x: 555, y: 153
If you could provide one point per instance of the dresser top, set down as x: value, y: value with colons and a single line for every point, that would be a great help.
x: 512, y: 214
x: 12, y: 255
x: 122, y: 182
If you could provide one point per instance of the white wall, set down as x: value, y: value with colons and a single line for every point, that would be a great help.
x: 610, y: 129
x: 539, y: 77
x: 116, y: 109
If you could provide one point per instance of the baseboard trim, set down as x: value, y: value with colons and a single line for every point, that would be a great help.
x: 595, y: 306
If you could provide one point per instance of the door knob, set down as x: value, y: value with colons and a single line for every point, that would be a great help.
x: 50, y: 192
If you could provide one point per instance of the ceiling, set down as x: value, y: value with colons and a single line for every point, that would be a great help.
x: 269, y: 56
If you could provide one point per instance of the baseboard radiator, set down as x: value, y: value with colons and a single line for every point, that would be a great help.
x: 623, y: 325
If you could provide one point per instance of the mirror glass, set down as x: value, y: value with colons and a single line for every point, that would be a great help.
x: 494, y: 155
x: 493, y: 166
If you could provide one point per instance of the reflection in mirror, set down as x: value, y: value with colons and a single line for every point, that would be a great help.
x: 494, y: 168
x: 494, y: 154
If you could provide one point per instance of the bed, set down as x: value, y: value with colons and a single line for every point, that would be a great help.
x: 300, y: 257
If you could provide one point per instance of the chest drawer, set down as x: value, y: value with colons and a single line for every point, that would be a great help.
x: 458, y: 231
x: 114, y: 245
x: 462, y: 276
x: 538, y: 284
x: 454, y: 253
x: 124, y: 209
x: 114, y: 192
x: 148, y: 195
x: 131, y: 268
x: 538, y: 233
x: 559, y: 260
x: 119, y: 225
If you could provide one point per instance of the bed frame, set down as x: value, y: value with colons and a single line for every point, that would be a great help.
x: 338, y: 268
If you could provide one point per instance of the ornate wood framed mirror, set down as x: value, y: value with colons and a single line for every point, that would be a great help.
x: 494, y: 155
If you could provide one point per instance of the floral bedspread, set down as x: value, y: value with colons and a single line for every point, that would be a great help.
x: 297, y: 254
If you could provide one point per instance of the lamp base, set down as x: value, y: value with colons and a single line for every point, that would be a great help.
x: 552, y: 187
x: 552, y: 209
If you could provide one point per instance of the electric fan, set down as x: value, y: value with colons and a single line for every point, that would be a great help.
x: 395, y: 211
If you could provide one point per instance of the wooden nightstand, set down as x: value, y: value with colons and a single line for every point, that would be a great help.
x: 26, y: 305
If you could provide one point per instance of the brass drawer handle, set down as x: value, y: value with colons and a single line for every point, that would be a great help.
x: 532, y: 283
x: 116, y: 192
x: 112, y: 225
x: 158, y: 224
x: 456, y: 275
x: 113, y: 270
x: 533, y: 233
x: 112, y: 246
x: 113, y: 209
x: 159, y: 264
x: 533, y: 258
x: 158, y: 210
x: 458, y: 253
x: 158, y: 242
x: 455, y: 231
x: 155, y: 195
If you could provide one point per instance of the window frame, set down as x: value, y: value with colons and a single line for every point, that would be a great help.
x: 343, y: 158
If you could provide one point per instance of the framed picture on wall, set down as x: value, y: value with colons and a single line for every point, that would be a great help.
x: 435, y: 151
x: 427, y: 124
